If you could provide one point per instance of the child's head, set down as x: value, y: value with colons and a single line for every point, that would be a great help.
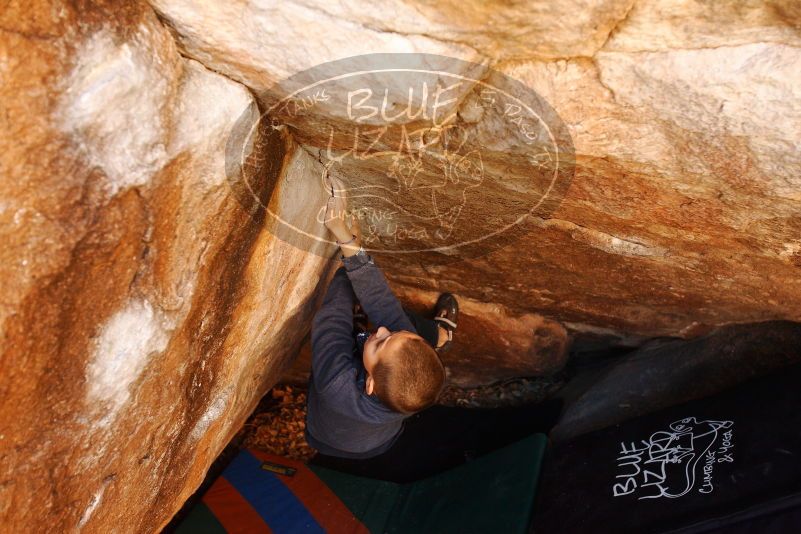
x: 403, y: 370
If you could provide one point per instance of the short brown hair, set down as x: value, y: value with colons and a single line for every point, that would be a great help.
x: 411, y: 377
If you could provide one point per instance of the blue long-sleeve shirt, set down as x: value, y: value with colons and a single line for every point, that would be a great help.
x: 341, y: 419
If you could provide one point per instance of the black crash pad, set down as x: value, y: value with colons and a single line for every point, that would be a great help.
x: 492, y: 493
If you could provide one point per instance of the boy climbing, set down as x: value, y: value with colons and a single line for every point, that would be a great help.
x: 363, y: 386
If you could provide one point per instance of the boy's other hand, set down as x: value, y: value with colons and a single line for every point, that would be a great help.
x: 345, y: 229
x: 335, y: 219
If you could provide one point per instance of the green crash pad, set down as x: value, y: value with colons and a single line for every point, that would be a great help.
x: 492, y: 493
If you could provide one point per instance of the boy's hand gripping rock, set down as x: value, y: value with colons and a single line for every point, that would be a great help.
x: 344, y: 227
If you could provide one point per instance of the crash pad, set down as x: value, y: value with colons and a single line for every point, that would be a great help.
x: 491, y: 493
x: 262, y: 493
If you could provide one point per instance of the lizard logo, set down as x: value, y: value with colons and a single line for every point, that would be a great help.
x: 674, y: 462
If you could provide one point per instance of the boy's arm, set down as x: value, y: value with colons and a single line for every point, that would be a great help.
x: 374, y: 294
x: 332, y: 332
x: 368, y: 281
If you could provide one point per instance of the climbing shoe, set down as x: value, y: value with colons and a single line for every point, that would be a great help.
x: 446, y: 313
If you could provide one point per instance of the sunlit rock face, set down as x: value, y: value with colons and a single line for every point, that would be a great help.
x: 140, y: 315
x: 684, y: 209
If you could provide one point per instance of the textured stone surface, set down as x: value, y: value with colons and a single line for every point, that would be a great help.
x: 140, y: 314
x: 684, y: 212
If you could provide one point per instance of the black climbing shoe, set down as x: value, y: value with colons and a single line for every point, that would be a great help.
x: 446, y: 313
